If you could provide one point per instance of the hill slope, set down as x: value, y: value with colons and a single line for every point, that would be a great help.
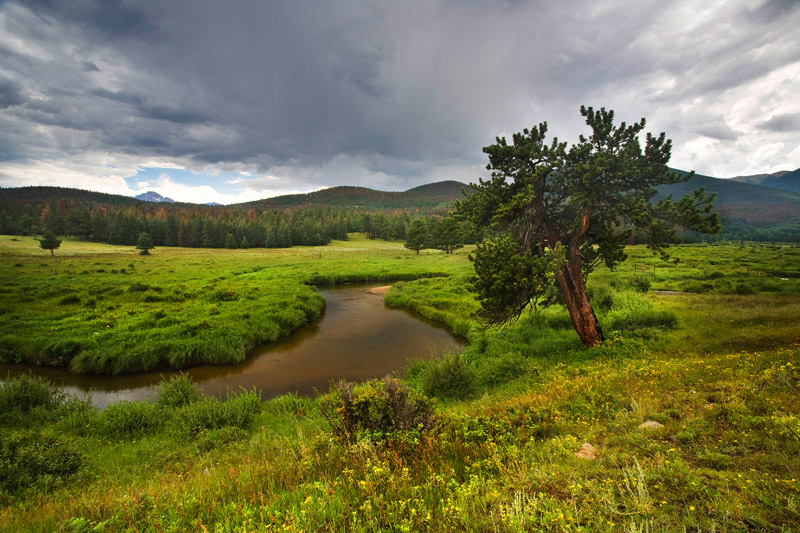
x: 42, y: 194
x: 783, y: 180
x: 747, y: 211
x: 434, y: 195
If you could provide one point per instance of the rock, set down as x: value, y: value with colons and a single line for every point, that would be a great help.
x: 587, y: 451
x: 650, y: 424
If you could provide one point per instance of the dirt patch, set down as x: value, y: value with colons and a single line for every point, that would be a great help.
x: 670, y: 293
x: 380, y: 291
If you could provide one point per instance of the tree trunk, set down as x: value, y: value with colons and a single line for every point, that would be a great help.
x: 577, y: 301
x: 52, y: 253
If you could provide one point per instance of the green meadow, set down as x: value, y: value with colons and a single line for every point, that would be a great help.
x: 705, y: 349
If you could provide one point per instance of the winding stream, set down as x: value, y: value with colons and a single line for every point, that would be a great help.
x: 357, y: 338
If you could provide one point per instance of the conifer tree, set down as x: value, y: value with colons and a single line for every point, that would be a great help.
x: 416, y: 235
x: 49, y: 242
x: 144, y: 243
x: 565, y: 211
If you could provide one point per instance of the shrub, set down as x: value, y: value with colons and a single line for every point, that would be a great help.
x: 448, y: 377
x: 215, y: 438
x: 124, y: 419
x: 502, y: 369
x: 631, y: 312
x: 715, y: 460
x: 289, y: 404
x: 744, y: 289
x: 152, y: 296
x: 61, y: 351
x: 601, y: 296
x: 381, y: 410
x: 771, y: 286
x: 640, y: 284
x: 138, y: 287
x: 25, y: 460
x: 208, y: 413
x: 698, y: 287
x: 26, y: 392
x: 177, y: 391
x: 224, y: 296
x: 241, y: 408
x: 69, y: 300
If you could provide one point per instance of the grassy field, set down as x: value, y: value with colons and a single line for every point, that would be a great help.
x: 706, y: 347
x: 105, y: 309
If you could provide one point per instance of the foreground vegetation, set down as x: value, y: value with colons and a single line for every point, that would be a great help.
x: 707, y: 347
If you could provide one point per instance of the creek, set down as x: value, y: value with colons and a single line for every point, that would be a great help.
x: 358, y: 337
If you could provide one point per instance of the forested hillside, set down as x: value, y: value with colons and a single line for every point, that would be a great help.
x: 748, y: 212
x: 309, y: 219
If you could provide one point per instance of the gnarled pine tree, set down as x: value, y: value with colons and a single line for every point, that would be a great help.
x: 566, y: 211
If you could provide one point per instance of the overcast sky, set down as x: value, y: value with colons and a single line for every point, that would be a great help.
x: 232, y: 101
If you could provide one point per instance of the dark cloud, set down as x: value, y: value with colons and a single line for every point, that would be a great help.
x: 772, y: 9
x: 119, y: 96
x: 110, y: 18
x: 787, y: 122
x: 10, y: 94
x: 370, y: 90
x: 717, y: 130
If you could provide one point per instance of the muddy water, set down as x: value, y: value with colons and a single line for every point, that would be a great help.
x: 357, y: 338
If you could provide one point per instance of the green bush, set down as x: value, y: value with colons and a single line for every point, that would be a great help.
x: 744, y: 289
x: 60, y: 352
x: 448, y: 377
x: 239, y: 410
x: 640, y: 284
x: 715, y: 460
x: 216, y: 438
x: 601, y: 296
x: 24, y: 460
x: 632, y: 312
x: 698, y: 287
x: 502, y: 369
x: 138, y: 287
x: 382, y: 410
x: 207, y: 413
x: 27, y: 392
x: 177, y: 391
x: 69, y: 300
x: 289, y: 404
x: 224, y: 296
x: 125, y: 420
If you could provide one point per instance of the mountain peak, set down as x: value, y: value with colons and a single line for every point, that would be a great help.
x: 152, y: 196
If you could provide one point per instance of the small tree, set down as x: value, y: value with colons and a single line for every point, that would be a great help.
x: 565, y: 211
x: 448, y: 236
x: 416, y: 235
x: 49, y: 242
x: 144, y: 243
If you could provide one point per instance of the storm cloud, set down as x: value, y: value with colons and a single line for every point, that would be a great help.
x: 299, y: 95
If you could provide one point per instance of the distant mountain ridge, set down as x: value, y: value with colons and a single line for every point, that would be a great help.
x: 152, y: 196
x: 784, y: 180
